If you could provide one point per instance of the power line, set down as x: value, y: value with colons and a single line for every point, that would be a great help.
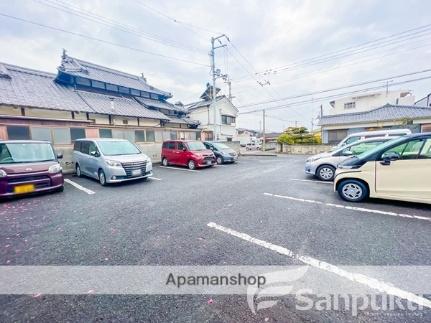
x: 337, y: 88
x: 177, y: 21
x: 102, y: 40
x: 106, y: 21
x: 352, y: 49
x: 335, y: 96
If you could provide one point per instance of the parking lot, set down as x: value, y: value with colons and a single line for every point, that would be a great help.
x: 259, y: 211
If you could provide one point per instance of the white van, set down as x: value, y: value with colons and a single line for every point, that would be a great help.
x: 372, y: 134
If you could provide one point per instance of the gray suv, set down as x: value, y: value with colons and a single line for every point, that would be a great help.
x: 110, y: 160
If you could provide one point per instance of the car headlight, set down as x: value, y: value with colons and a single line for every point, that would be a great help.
x: 2, y: 173
x: 54, y: 169
x: 313, y: 159
x: 113, y: 163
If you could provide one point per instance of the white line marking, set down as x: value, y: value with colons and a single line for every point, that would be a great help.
x: 155, y: 178
x: 353, y: 208
x: 79, y: 187
x: 175, y: 168
x: 354, y: 277
x: 310, y: 180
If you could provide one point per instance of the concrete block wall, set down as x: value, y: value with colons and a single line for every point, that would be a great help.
x: 303, y: 149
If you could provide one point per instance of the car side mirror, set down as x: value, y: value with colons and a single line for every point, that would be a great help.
x: 389, y: 157
x: 94, y: 153
x: 184, y: 149
x: 347, y: 153
x: 60, y: 156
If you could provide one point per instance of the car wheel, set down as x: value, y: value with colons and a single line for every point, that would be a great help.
x: 191, y: 164
x: 219, y: 160
x: 352, y: 190
x: 78, y: 170
x: 165, y: 161
x: 326, y: 173
x: 61, y: 189
x: 102, y: 178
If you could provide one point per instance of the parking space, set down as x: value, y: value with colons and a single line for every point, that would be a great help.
x: 259, y: 211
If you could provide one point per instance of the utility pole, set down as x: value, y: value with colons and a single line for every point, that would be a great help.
x: 215, y: 74
x: 263, y: 130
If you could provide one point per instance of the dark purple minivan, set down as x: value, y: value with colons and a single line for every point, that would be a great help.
x: 28, y: 166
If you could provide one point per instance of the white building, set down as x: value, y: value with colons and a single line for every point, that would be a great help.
x: 370, y: 101
x: 203, y: 112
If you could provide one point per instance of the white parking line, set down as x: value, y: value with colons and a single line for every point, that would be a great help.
x: 354, y: 277
x: 353, y: 208
x: 309, y: 180
x: 175, y: 168
x: 79, y: 187
x: 155, y: 178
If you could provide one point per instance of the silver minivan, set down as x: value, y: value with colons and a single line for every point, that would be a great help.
x: 110, y: 160
x: 323, y: 165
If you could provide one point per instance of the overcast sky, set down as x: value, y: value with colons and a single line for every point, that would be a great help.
x: 265, y: 34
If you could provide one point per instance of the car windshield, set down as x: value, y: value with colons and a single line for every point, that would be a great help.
x: 220, y: 146
x: 114, y: 148
x: 383, y: 146
x: 196, y: 145
x: 11, y: 153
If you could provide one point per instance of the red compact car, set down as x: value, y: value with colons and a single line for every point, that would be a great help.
x: 28, y: 167
x: 188, y: 153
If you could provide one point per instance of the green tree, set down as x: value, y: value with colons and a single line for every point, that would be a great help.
x: 298, y: 135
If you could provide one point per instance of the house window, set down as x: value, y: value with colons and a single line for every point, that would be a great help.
x: 77, y: 133
x: 61, y: 136
x: 135, y: 92
x: 145, y: 94
x: 227, y: 120
x: 41, y: 134
x: 123, y: 89
x: 335, y: 136
x: 154, y: 96
x: 18, y: 133
x: 173, y: 135
x: 82, y: 81
x: 150, y: 136
x: 124, y: 134
x: 140, y: 135
x: 125, y: 121
x: 111, y: 87
x: 349, y: 105
x: 105, y: 133
x: 98, y: 85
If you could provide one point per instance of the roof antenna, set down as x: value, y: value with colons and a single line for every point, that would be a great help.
x: 64, y: 54
x: 143, y: 77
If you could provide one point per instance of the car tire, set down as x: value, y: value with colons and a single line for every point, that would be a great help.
x: 325, y: 173
x: 102, y: 178
x: 219, y: 160
x: 191, y: 164
x: 61, y: 189
x: 165, y: 162
x: 78, y: 170
x: 352, y: 190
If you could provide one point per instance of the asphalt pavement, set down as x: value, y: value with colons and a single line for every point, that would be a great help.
x: 165, y: 221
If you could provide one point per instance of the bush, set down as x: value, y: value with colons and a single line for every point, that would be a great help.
x: 298, y: 135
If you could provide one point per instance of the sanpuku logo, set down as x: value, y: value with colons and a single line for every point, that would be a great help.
x: 278, y: 284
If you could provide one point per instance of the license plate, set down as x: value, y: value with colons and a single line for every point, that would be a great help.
x: 21, y: 189
x: 136, y: 172
x: 208, y: 162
